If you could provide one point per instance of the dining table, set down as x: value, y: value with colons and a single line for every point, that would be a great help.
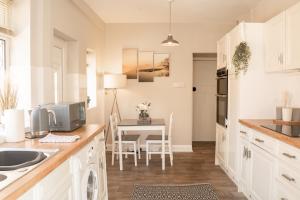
x: 142, y: 126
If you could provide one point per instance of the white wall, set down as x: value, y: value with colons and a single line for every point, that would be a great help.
x: 266, y: 9
x: 164, y: 97
x: 35, y: 23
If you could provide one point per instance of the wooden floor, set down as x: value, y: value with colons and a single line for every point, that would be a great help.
x: 196, y: 167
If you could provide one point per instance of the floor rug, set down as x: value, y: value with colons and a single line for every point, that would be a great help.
x: 174, y: 192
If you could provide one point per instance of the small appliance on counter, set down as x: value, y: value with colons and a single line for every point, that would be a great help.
x: 69, y: 116
x: 40, y: 122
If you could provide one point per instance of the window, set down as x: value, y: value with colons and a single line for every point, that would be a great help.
x: 2, y: 55
x: 91, y: 79
x: 4, y: 13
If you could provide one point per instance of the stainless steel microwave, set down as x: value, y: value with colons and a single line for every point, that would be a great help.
x: 69, y: 116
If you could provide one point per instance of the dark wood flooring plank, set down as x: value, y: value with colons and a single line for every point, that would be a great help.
x: 196, y: 167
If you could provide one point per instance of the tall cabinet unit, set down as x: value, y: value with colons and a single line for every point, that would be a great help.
x: 222, y: 56
x: 239, y: 103
x: 282, y: 43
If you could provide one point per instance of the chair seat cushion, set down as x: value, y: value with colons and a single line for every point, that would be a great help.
x: 155, y: 137
x: 128, y: 138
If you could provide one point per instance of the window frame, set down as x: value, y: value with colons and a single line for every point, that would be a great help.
x: 6, y: 40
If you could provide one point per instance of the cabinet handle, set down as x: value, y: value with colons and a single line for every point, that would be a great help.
x: 259, y: 140
x: 289, y: 155
x: 244, y: 132
x: 283, y: 198
x: 245, y: 152
x: 281, y: 58
x: 249, y: 154
x: 288, y: 178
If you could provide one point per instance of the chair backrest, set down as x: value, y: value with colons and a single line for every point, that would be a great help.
x: 170, y: 126
x: 113, y: 126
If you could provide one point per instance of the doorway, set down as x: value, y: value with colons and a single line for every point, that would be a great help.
x: 204, y: 99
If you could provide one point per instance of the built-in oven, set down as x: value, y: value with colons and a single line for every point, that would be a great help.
x: 222, y: 96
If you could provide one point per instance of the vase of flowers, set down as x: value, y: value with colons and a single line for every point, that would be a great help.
x: 143, y: 110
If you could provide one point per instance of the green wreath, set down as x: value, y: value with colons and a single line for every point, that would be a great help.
x: 241, y: 57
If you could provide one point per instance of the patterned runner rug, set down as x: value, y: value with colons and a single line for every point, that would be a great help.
x: 174, y: 192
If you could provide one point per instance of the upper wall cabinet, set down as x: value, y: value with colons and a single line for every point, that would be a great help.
x: 222, y: 53
x: 235, y: 37
x: 282, y: 42
x: 293, y: 37
x: 275, y: 43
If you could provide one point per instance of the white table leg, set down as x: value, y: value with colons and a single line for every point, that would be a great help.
x: 120, y: 149
x: 163, y: 133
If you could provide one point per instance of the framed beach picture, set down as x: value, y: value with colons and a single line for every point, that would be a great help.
x: 161, y: 64
x: 145, y: 66
x: 130, y: 63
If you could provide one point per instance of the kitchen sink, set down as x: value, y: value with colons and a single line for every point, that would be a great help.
x: 16, y: 159
x: 16, y: 162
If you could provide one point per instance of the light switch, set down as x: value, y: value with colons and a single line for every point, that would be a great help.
x: 178, y: 85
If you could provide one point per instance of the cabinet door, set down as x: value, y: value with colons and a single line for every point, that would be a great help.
x: 222, y: 53
x: 244, y: 166
x: 275, y: 43
x: 222, y: 144
x: 292, y: 37
x: 235, y: 37
x: 102, y: 170
x: 262, y: 174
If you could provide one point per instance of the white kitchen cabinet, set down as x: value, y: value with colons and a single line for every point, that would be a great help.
x: 221, y: 146
x: 235, y: 37
x: 282, y: 44
x: 244, y: 166
x: 100, y: 141
x: 292, y: 16
x: 275, y: 43
x: 55, y: 186
x: 222, y: 52
x: 262, y: 169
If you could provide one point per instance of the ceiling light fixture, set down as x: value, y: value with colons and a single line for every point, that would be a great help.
x: 170, y: 42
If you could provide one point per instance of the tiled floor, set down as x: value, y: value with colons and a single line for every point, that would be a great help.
x: 196, y: 167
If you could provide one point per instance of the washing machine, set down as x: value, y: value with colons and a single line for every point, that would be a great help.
x: 85, y: 173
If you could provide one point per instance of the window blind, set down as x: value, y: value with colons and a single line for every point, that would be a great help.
x: 4, y: 13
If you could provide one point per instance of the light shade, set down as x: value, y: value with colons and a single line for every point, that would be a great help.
x: 170, y: 42
x: 114, y: 81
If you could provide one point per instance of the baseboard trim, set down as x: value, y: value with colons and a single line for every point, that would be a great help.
x: 176, y: 148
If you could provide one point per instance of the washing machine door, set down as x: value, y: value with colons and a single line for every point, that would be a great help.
x: 90, y: 184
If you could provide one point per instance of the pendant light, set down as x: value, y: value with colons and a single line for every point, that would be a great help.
x: 170, y: 42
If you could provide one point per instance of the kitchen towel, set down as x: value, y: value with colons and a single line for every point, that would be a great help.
x: 51, y: 138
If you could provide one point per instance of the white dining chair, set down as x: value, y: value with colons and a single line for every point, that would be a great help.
x: 127, y: 140
x: 153, y: 141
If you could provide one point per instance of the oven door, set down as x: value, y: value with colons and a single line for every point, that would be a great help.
x: 222, y: 110
x: 222, y: 85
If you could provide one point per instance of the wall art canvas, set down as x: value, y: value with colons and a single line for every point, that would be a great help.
x: 130, y: 63
x: 161, y: 64
x: 145, y: 66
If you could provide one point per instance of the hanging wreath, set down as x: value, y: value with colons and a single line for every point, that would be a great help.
x: 241, y: 57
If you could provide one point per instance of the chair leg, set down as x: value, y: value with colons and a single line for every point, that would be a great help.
x: 127, y: 150
x: 147, y: 154
x: 135, y: 156
x: 139, y: 148
x: 171, y: 154
x: 113, y: 155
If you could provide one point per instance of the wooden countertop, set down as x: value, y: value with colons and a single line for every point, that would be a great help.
x: 256, y: 125
x: 66, y: 150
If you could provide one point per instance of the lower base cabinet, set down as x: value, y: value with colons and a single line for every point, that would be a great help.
x: 59, y: 184
x: 262, y: 174
x: 54, y: 186
x: 268, y: 169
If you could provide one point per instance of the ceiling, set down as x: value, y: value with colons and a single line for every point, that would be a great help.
x: 184, y: 11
